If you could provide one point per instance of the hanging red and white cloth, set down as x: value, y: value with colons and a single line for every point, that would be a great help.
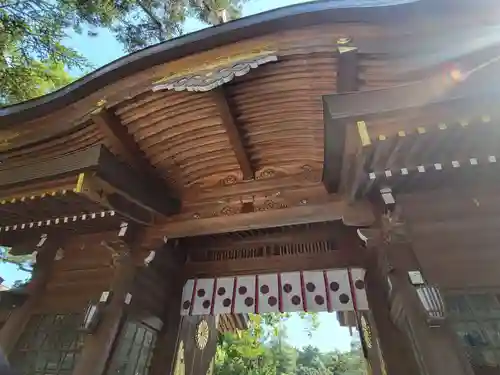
x: 314, y: 291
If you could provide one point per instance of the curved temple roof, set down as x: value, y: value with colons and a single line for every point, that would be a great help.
x: 288, y: 17
x: 230, y: 120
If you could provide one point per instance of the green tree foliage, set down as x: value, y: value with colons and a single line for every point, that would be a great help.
x: 215, y: 12
x: 23, y: 262
x: 21, y: 81
x: 264, y: 350
x: 33, y: 57
x: 148, y: 22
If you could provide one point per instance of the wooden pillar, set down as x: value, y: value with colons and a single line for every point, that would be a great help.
x: 164, y: 354
x: 13, y: 328
x: 435, y: 347
x: 166, y: 347
x: 98, y: 345
x: 397, y: 353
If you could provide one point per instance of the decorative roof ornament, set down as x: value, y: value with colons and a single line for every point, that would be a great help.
x: 211, y: 77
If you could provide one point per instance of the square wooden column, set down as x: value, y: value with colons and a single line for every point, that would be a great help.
x: 435, y: 346
x: 396, y: 352
x: 98, y: 345
x: 164, y: 355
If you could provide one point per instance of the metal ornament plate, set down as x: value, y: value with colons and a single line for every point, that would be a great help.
x: 180, y: 368
x: 202, y: 334
x: 206, y: 80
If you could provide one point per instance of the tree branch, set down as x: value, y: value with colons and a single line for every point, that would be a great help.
x: 151, y: 15
x: 21, y: 267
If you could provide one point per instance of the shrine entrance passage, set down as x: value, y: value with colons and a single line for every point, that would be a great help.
x: 320, y: 267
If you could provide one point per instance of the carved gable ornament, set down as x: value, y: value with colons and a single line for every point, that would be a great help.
x: 212, y: 75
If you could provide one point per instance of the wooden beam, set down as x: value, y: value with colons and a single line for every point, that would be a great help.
x: 347, y: 69
x: 334, y: 259
x: 288, y: 235
x: 357, y: 151
x: 120, y: 139
x: 98, y: 175
x: 335, y: 131
x: 233, y: 132
x: 291, y: 182
x: 359, y: 214
x: 125, y: 145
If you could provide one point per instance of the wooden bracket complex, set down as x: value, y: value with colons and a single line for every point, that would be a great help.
x: 89, y: 186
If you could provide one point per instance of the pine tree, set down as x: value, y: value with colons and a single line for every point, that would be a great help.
x: 33, y: 57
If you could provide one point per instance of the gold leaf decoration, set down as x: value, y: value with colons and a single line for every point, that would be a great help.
x: 202, y: 334
x: 367, y: 333
x: 211, y: 76
x: 180, y: 368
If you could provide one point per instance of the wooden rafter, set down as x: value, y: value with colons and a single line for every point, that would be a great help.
x: 233, y: 132
x: 120, y: 139
x: 125, y: 145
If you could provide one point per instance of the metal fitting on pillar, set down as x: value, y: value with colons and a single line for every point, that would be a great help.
x: 430, y: 298
x: 433, y: 304
x: 388, y: 198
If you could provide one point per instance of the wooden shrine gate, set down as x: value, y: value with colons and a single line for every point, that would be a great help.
x: 332, y: 156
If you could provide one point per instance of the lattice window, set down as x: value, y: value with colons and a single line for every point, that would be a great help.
x: 476, y: 319
x: 49, y: 345
x: 134, y: 349
x: 201, y: 255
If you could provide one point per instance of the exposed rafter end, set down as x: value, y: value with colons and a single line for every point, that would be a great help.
x: 233, y: 132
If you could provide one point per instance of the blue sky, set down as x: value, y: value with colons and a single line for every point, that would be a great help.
x: 102, y: 50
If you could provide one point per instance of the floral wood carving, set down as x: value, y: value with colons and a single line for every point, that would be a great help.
x: 266, y: 173
x: 209, y: 79
x: 271, y: 205
x: 229, y: 180
x: 228, y: 210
